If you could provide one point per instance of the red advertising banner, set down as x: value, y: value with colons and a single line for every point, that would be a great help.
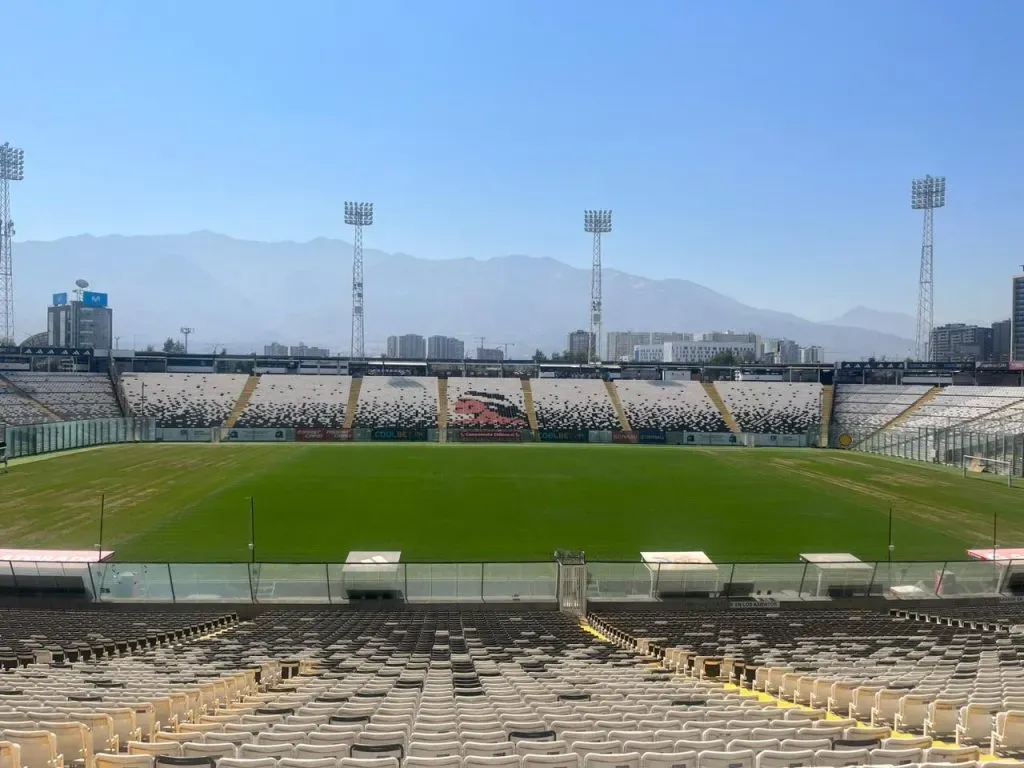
x: 491, y: 435
x: 625, y: 437
x: 323, y: 435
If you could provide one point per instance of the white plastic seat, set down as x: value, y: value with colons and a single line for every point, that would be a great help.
x: 316, y: 762
x: 687, y: 759
x: 450, y: 761
x: 105, y: 760
x: 838, y: 759
x: 569, y: 760
x: 261, y: 751
x: 38, y: 748
x: 479, y: 761
x: 896, y: 756
x: 952, y: 755
x: 620, y: 760
x: 309, y: 751
x: 246, y: 762
x: 10, y: 755
x: 772, y: 758
x: 368, y: 762
x: 168, y: 748
x: 216, y: 751
x: 712, y: 758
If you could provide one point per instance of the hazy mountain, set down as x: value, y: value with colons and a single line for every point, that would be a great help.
x: 244, y: 294
x: 897, y: 323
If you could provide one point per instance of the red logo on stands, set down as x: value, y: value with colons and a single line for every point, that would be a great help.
x: 625, y: 437
x: 323, y: 435
x: 482, y: 409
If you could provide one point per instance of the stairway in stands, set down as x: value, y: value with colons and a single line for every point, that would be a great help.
x: 531, y: 414
x: 12, y: 387
x: 442, y: 410
x: 723, y: 411
x: 613, y: 393
x: 243, y: 401
x: 827, y: 396
x: 353, y: 400
x: 927, y: 397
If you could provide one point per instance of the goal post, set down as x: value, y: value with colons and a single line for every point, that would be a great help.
x: 984, y: 465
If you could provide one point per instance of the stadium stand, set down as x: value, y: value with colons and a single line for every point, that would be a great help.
x: 16, y: 409
x: 867, y: 406
x: 682, y: 406
x: 397, y: 402
x: 776, y: 407
x: 439, y: 688
x: 486, y: 404
x: 70, y: 395
x: 183, y: 399
x: 575, y: 404
x: 956, y: 405
x: 297, y: 401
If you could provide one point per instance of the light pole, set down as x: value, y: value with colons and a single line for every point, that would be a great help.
x: 12, y: 168
x: 926, y: 195
x: 358, y: 215
x: 186, y: 331
x: 596, y: 222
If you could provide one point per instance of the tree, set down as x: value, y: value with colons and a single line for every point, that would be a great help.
x: 729, y: 357
x: 173, y: 347
x: 539, y: 357
x: 150, y: 348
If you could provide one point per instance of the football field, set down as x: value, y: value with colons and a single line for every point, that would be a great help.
x: 442, y: 503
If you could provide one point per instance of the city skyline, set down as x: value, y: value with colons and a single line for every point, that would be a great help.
x: 789, y: 99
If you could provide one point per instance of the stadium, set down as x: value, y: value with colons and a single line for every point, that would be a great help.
x: 516, y: 564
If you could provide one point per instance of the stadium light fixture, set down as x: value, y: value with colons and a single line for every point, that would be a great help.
x: 926, y: 194
x: 597, y: 222
x: 358, y: 215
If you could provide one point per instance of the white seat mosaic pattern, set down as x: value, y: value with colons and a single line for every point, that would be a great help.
x: 16, y: 410
x: 297, y: 401
x: 183, y: 399
x: 873, y: 405
x: 71, y: 395
x: 576, y: 404
x: 681, y: 406
x: 957, y: 404
x: 396, y: 402
x: 486, y: 403
x: 780, y: 408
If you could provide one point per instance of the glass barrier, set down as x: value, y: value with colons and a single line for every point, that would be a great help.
x: 508, y: 582
x: 64, y: 435
x: 620, y: 581
x: 290, y: 583
x: 976, y: 578
x: 908, y: 581
x: 503, y: 582
x: 444, y: 582
x: 121, y: 582
x: 781, y: 581
x: 211, y: 582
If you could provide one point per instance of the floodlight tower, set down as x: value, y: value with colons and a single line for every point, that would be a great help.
x: 597, y: 223
x: 186, y: 331
x: 359, y: 215
x: 12, y: 168
x: 926, y: 195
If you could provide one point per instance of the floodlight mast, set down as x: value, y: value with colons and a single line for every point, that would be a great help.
x: 358, y: 215
x: 186, y: 331
x: 12, y: 168
x: 926, y: 195
x: 596, y: 222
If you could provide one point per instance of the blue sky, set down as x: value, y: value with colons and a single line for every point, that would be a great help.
x: 764, y: 149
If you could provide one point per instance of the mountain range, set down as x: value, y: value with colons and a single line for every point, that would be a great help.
x: 243, y: 294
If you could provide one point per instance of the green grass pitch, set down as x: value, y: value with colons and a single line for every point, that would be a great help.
x: 314, y: 503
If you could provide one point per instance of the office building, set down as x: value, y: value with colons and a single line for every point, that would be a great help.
x: 445, y: 348
x: 812, y: 355
x: 275, y: 350
x: 303, y: 351
x: 1000, y: 342
x: 1017, y: 321
x: 581, y: 343
x: 960, y: 343
x: 780, y: 352
x: 695, y: 352
x: 490, y: 355
x: 411, y: 346
x: 85, y: 321
x: 620, y: 344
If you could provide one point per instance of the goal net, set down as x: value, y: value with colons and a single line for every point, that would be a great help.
x: 982, y: 465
